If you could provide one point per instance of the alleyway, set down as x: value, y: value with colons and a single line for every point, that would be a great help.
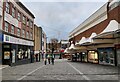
x: 62, y: 70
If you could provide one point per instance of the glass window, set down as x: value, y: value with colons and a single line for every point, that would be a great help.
x: 13, y: 11
x: 23, y: 33
x: 19, y: 16
x: 27, y: 35
x: 7, y: 7
x: 28, y: 23
x: 18, y: 32
x: 42, y: 43
x: 31, y: 36
x: 12, y: 29
x: 6, y: 26
x: 31, y: 24
x: 43, y: 35
x: 24, y: 20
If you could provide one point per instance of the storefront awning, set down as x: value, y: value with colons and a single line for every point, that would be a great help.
x: 108, y: 32
x: 72, y: 46
x: 83, y: 40
x: 86, y: 41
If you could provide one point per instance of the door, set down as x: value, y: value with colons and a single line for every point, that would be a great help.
x: 6, y: 54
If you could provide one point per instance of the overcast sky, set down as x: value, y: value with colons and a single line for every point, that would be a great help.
x: 59, y: 17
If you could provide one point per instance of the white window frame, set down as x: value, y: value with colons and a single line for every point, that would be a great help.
x: 6, y: 26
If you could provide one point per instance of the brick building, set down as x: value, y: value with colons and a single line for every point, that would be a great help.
x: 100, y: 35
x: 18, y: 38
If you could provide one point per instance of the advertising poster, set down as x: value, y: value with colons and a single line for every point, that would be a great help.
x: 6, y: 55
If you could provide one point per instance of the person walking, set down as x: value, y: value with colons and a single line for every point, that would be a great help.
x: 49, y: 57
x: 45, y: 58
x: 52, y: 59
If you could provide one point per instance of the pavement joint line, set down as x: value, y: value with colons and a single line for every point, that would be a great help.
x: 86, y: 78
x: 30, y: 73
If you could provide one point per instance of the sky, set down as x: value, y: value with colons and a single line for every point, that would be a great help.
x: 59, y: 17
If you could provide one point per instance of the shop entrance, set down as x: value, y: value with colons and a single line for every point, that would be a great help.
x: 84, y: 56
x: 6, y: 54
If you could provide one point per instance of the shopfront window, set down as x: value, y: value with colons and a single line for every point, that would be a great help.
x: 93, y: 56
x: 106, y: 56
x: 84, y: 56
x: 23, y: 53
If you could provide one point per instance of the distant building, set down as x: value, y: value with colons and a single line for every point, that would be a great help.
x: 64, y: 44
x: 44, y: 42
x: 37, y: 39
x: 17, y: 28
x: 37, y: 42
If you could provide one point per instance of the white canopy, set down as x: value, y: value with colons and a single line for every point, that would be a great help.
x: 113, y: 26
x: 87, y: 40
x: 90, y: 38
x: 72, y: 46
x: 83, y: 40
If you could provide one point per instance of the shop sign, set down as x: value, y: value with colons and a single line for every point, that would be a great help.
x: 11, y: 39
x: 1, y: 37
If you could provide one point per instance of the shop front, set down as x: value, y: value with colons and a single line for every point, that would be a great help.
x: 92, y: 56
x: 117, y: 54
x: 106, y: 56
x: 84, y: 56
x: 16, y: 51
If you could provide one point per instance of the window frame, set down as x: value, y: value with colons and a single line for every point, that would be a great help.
x: 12, y: 30
x: 23, y: 33
x: 19, y: 16
x: 31, y: 35
x: 6, y: 30
x: 7, y: 7
x: 24, y: 19
x: 18, y: 32
x: 13, y: 12
x: 27, y: 34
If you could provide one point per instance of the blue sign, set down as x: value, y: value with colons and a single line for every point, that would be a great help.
x: 1, y: 37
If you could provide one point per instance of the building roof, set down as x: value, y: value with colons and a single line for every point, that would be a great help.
x: 24, y: 8
x: 91, y: 21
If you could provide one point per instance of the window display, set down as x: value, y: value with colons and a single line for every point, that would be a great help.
x: 93, y: 56
x: 7, y: 55
x: 106, y: 56
x: 23, y: 54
